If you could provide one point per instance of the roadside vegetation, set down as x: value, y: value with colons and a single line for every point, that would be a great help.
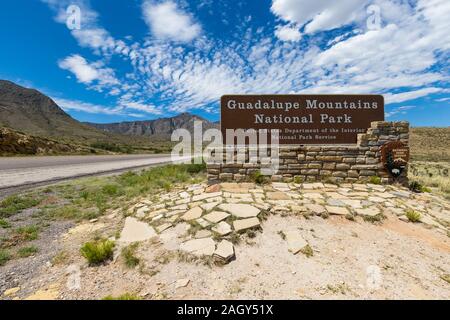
x: 84, y: 199
x: 426, y: 176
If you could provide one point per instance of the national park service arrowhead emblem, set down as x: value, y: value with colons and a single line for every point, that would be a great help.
x: 395, y: 157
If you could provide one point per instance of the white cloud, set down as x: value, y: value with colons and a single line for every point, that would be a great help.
x: 167, y: 21
x: 87, y: 73
x: 76, y: 105
x: 399, y: 110
x: 318, y: 15
x: 288, y: 33
x: 410, y: 95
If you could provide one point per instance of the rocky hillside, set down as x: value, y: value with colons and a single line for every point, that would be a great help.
x: 13, y: 143
x: 160, y: 127
x: 33, y: 113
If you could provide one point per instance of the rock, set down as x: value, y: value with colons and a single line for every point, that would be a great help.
x: 312, y: 195
x: 222, y: 228
x: 140, y: 213
x: 93, y: 220
x: 11, y: 292
x: 184, y: 195
x: 337, y: 210
x: 136, y: 231
x: 240, y: 210
x: 204, y: 196
x: 355, y: 204
x: 182, y: 283
x: 225, y: 251
x: 316, y: 209
x: 377, y: 199
x: 295, y: 241
x: 203, y: 234
x: 404, y: 218
x: 210, y: 206
x: 202, y: 222
x: 163, y: 227
x: 216, y: 216
x: 199, y: 247
x: 401, y: 194
x: 193, y: 214
x: 335, y: 203
x: 298, y: 209
x: 51, y: 293
x: 213, y: 189
x: 245, y: 224
x: 371, y: 211
x: 277, y: 196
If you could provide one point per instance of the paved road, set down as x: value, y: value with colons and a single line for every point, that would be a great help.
x: 27, y: 172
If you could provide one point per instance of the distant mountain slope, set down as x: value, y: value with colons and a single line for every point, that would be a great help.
x: 30, y: 111
x: 160, y: 127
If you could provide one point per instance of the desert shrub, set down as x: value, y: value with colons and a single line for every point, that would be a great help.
x: 415, y: 186
x: 196, y: 168
x: 15, y: 204
x: 28, y: 233
x: 375, y: 180
x: 4, y: 224
x: 97, y: 252
x: 413, y: 216
x: 5, y: 256
x: 258, y: 178
x: 27, y: 251
x: 129, y: 255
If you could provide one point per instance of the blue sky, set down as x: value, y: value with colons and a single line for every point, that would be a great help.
x: 145, y: 59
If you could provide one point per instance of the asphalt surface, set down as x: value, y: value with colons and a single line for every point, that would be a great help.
x: 21, y: 173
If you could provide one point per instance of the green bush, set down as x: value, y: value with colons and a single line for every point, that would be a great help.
x: 27, y: 251
x: 258, y: 178
x: 375, y: 180
x: 15, y: 204
x: 5, y: 256
x: 196, y: 168
x: 413, y: 216
x: 4, y: 224
x: 28, y: 233
x: 129, y: 255
x: 97, y: 252
x: 415, y: 186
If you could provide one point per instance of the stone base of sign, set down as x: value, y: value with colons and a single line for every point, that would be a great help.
x: 326, y: 163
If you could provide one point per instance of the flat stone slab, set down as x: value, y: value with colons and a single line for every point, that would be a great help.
x: 216, y: 216
x: 202, y: 222
x: 295, y: 241
x: 210, y: 206
x: 277, y: 196
x: 193, y: 214
x: 136, y: 231
x: 355, y: 204
x: 245, y: 224
x: 199, y: 247
x: 370, y: 212
x: 225, y: 251
x: 204, y: 196
x: 163, y: 227
x: 337, y: 210
x: 240, y: 210
x: 203, y: 234
x: 315, y: 208
x: 182, y: 283
x: 222, y: 228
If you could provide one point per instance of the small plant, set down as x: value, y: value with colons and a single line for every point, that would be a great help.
x: 298, y: 180
x: 4, y: 224
x: 5, y: 256
x: 258, y: 178
x: 375, y: 180
x: 28, y: 233
x: 60, y: 258
x: 27, y: 251
x: 413, y: 216
x: 125, y: 296
x: 415, y: 186
x: 196, y: 168
x: 307, y: 251
x: 129, y: 255
x: 15, y: 204
x: 282, y: 235
x: 97, y: 252
x: 446, y: 277
x: 374, y: 219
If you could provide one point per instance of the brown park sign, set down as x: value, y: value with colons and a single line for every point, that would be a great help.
x: 303, y: 119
